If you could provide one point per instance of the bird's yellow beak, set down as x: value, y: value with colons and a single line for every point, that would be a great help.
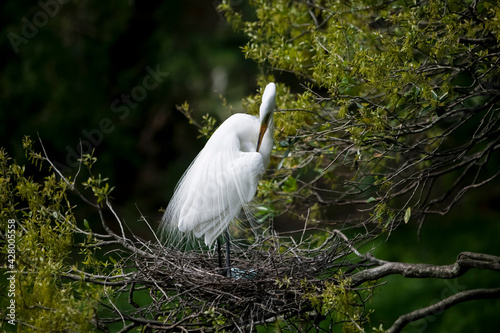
x: 263, y: 129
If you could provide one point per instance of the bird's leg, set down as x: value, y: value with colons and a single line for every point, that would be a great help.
x: 226, y: 271
x: 228, y: 260
x: 221, y: 270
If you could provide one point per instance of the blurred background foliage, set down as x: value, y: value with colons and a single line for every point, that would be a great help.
x: 78, y: 71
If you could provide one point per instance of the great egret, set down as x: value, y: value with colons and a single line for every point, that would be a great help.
x: 224, y: 176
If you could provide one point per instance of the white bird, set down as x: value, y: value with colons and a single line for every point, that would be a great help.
x: 224, y: 176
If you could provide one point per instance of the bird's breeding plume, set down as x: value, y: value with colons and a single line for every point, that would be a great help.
x: 225, y: 174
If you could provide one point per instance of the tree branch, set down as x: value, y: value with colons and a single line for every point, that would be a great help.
x: 443, y: 305
x: 465, y: 261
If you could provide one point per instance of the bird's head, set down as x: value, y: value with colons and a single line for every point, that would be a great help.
x: 266, y: 111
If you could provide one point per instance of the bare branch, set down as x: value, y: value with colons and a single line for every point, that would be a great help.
x: 465, y: 261
x: 460, y: 297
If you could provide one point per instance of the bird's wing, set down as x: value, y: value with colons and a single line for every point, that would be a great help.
x: 213, y: 190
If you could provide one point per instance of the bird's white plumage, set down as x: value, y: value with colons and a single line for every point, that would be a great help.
x: 224, y: 176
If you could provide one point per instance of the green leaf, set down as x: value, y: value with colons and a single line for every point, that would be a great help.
x: 407, y: 214
x: 290, y: 184
x: 280, y: 165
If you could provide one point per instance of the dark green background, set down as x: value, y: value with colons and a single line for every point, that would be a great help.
x: 69, y: 81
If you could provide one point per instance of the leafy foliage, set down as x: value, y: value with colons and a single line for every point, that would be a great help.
x: 45, y: 237
x: 398, y: 112
x: 397, y: 98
